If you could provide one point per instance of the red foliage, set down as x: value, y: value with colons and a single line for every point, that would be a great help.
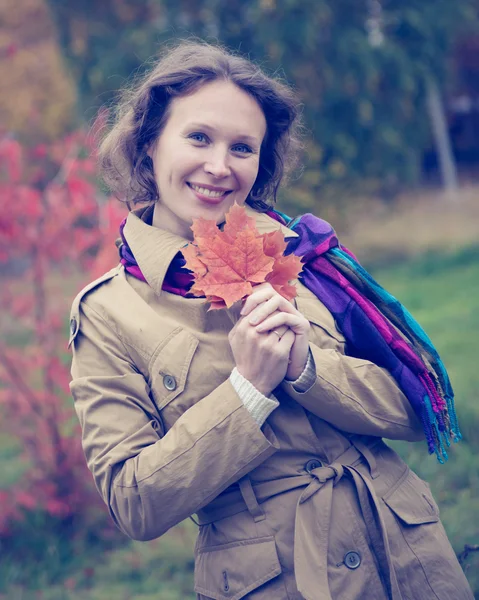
x: 53, y: 223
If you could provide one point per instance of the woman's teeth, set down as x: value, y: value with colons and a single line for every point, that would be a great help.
x: 205, y: 192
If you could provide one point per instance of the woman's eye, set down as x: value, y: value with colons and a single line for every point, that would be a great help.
x: 242, y: 149
x: 198, y: 137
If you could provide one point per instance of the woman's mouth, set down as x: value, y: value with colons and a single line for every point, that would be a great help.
x: 207, y: 194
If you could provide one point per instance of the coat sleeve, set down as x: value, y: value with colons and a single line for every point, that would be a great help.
x: 150, y: 481
x: 354, y: 395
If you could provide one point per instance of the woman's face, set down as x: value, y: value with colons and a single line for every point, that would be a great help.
x: 207, y: 156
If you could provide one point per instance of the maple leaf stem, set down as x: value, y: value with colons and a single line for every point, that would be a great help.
x: 234, y: 312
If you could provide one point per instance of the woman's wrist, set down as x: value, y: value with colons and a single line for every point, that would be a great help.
x: 300, y: 353
x: 259, y: 405
x: 307, y: 377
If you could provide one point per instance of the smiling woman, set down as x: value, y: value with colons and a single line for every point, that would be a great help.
x: 207, y: 156
x: 260, y: 117
x: 270, y: 431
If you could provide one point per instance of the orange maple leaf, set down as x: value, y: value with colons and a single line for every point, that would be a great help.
x: 285, y: 269
x: 192, y: 256
x: 204, y: 228
x: 237, y: 220
x: 274, y: 244
x: 227, y: 264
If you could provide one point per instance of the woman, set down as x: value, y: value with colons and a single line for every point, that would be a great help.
x: 295, y: 493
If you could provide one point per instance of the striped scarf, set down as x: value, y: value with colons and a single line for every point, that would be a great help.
x: 376, y: 326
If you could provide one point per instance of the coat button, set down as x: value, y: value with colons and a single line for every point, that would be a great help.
x: 169, y: 382
x: 352, y: 560
x: 314, y: 463
x: 73, y: 326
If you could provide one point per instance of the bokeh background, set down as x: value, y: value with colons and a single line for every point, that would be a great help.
x: 391, y: 106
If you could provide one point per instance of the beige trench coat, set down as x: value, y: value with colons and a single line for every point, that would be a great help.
x: 311, y: 505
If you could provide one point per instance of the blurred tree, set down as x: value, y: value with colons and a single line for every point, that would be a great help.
x: 359, y: 67
x: 38, y: 97
x: 54, y: 227
x: 104, y: 42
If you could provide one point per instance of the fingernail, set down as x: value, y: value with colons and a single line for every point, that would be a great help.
x: 254, y: 321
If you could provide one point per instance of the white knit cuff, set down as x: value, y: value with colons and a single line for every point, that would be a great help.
x: 307, y: 377
x: 259, y: 406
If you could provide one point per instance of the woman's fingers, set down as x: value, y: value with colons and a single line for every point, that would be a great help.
x: 275, y: 303
x: 262, y: 358
x: 279, y: 331
x: 263, y: 310
x: 287, y: 339
x: 233, y: 331
x: 261, y: 293
x: 266, y: 311
x: 297, y: 323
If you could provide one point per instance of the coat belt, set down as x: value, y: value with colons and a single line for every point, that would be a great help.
x: 310, y: 555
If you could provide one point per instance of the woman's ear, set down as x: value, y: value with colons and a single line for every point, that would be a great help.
x: 150, y: 148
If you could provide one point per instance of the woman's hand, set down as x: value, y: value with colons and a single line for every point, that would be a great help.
x: 261, y: 357
x: 268, y: 312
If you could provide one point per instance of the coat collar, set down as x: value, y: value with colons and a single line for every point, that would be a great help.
x: 155, y: 248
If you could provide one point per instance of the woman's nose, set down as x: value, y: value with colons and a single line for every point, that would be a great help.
x: 217, y: 165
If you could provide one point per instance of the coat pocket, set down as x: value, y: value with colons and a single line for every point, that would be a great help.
x: 170, y: 364
x: 411, y: 500
x: 230, y: 571
x: 425, y: 563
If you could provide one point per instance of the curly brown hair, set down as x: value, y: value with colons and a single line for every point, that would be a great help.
x: 143, y: 111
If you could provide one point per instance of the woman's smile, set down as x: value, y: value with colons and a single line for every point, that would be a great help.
x: 208, y: 193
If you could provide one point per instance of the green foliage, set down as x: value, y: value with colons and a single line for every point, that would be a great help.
x: 104, y: 42
x: 159, y: 569
x: 440, y: 293
x: 43, y: 550
x: 38, y: 101
x: 363, y: 96
x: 13, y: 466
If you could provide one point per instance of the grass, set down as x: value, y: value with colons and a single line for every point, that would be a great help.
x: 142, y: 571
x: 441, y: 291
x: 415, y: 224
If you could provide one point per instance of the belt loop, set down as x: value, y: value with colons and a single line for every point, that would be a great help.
x: 368, y: 455
x: 250, y: 500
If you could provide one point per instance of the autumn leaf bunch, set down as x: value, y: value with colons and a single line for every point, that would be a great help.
x: 228, y: 263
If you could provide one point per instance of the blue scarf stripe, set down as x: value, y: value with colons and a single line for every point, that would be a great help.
x: 411, y: 322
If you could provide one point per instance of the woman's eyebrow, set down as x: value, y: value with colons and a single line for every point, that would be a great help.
x: 243, y: 137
